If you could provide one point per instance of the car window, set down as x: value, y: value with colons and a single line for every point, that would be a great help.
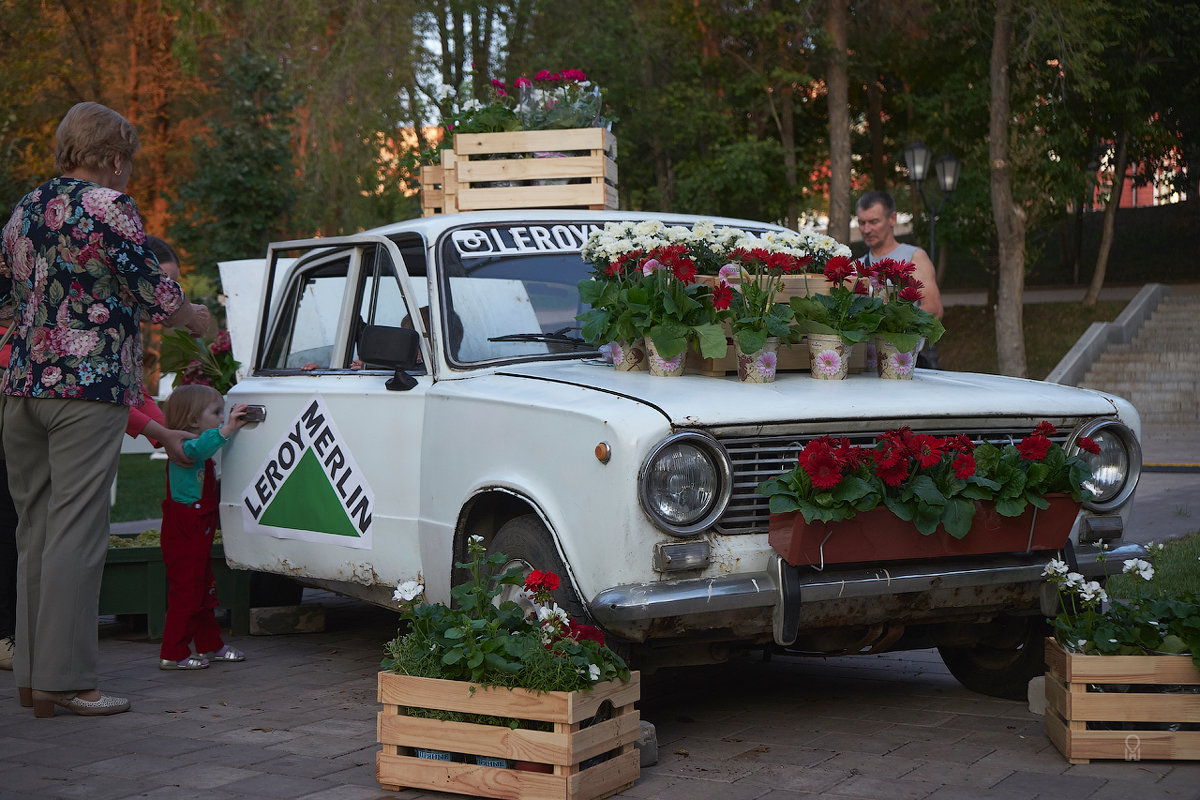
x: 306, y: 335
x: 494, y: 293
x: 380, y: 299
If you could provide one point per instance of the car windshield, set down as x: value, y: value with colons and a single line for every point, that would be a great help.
x: 511, y: 292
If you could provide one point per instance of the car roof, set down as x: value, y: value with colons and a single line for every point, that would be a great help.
x: 431, y: 227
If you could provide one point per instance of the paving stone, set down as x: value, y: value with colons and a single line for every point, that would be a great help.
x: 1062, y: 787
x: 875, y: 788
x: 958, y: 753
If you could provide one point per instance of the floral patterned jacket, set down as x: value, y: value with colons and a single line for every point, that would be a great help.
x: 75, y: 270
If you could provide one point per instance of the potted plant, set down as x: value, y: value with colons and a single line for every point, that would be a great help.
x: 1123, y: 676
x: 196, y: 361
x: 904, y: 327
x: 959, y: 497
x: 836, y: 321
x: 484, y: 684
x: 750, y: 284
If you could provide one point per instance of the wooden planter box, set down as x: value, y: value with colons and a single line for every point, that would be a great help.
x: 502, y: 170
x: 1136, y: 720
x: 568, y: 751
x: 135, y: 582
x: 791, y: 359
x: 879, y: 535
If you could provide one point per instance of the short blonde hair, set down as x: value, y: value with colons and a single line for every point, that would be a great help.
x: 91, y: 135
x: 185, y: 403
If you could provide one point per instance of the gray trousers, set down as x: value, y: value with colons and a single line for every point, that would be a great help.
x: 62, y: 459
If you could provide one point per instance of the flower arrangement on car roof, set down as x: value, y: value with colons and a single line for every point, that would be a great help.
x: 902, y: 321
x: 929, y: 480
x: 631, y: 297
x: 533, y: 644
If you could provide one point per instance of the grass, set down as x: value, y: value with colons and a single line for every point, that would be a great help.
x: 141, y: 488
x: 1176, y: 570
x: 1051, y: 329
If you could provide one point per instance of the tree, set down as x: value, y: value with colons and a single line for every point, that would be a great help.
x: 241, y: 188
x: 838, y: 96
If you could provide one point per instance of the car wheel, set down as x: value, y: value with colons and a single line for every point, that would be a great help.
x: 1004, y: 668
x: 527, y: 543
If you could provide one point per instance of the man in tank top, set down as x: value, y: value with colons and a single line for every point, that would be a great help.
x: 876, y: 212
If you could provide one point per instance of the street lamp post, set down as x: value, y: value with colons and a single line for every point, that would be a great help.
x: 946, y: 169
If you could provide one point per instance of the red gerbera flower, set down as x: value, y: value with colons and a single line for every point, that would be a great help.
x: 1034, y: 447
x: 891, y: 466
x: 927, y: 450
x: 1044, y: 428
x: 964, y: 466
x: 722, y: 296
x: 911, y: 294
x: 821, y: 463
x: 838, y: 269
x: 1088, y: 445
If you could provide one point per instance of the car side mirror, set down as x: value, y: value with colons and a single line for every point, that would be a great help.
x: 397, y: 348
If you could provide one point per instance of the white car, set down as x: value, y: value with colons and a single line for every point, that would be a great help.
x: 477, y: 410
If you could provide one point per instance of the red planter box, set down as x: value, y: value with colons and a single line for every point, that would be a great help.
x: 879, y: 535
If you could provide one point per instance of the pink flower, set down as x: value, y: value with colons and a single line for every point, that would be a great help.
x: 766, y: 364
x: 729, y: 272
x: 523, y: 82
x: 51, y: 376
x: 56, y: 212
x: 828, y: 362
x: 650, y: 266
x: 98, y: 314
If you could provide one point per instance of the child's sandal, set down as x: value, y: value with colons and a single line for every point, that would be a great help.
x: 191, y: 662
x: 226, y: 653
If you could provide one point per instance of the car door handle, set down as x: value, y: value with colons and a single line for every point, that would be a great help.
x: 255, y: 413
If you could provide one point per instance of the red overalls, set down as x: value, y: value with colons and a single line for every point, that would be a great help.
x: 187, y: 538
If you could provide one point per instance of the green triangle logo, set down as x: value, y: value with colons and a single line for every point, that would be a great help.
x: 307, y: 501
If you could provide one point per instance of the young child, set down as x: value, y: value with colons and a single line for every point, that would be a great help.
x: 189, y: 522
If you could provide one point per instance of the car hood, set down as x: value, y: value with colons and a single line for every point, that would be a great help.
x: 693, y: 400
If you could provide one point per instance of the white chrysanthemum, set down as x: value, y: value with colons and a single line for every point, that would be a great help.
x: 408, y: 591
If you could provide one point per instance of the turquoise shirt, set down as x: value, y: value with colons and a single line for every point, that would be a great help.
x: 187, y: 483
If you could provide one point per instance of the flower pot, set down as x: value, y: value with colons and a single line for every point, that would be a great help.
x: 564, y: 753
x: 1085, y: 722
x: 628, y: 356
x: 759, y: 366
x: 829, y: 356
x: 893, y: 363
x: 879, y: 535
x: 664, y: 367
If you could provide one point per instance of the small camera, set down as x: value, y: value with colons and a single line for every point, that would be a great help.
x: 255, y: 413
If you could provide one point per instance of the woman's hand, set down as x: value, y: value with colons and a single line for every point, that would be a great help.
x: 172, y: 441
x: 201, y: 320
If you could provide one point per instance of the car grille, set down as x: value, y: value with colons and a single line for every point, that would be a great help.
x: 756, y: 458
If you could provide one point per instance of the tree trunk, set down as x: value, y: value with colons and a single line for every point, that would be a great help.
x: 879, y: 172
x: 1110, y: 216
x: 787, y: 135
x: 839, y: 123
x: 1009, y: 217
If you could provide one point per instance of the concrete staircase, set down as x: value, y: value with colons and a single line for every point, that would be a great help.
x: 1159, y: 371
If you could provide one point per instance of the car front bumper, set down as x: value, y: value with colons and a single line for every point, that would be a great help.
x: 773, y: 605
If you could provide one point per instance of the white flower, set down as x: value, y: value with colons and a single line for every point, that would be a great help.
x: 593, y: 672
x: 476, y: 539
x: 1091, y: 591
x: 552, y: 612
x: 1055, y: 567
x: 408, y: 591
x: 1073, y: 579
x: 1082, y: 642
x: 1143, y: 568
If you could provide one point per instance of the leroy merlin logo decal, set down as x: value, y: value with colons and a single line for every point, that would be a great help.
x: 309, y: 486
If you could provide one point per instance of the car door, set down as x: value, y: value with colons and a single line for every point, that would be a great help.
x: 326, y: 487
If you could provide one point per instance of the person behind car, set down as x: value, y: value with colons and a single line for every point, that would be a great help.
x: 876, y: 213
x: 77, y: 272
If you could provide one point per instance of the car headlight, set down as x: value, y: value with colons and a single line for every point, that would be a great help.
x: 685, y: 483
x: 1115, y: 469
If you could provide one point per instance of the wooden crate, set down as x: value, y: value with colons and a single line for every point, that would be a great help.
x: 1140, y: 717
x: 792, y: 358
x: 566, y: 749
x: 501, y: 170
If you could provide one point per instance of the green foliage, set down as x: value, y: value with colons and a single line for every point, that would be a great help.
x: 495, y: 644
x: 241, y: 188
x: 1151, y: 620
x: 195, y: 360
x: 841, y: 312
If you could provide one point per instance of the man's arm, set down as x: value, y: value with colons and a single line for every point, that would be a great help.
x: 925, y: 273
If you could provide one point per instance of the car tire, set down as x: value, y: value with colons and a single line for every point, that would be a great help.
x: 527, y: 543
x: 1002, y: 671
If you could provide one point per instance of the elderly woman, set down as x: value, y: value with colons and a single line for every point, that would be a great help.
x: 79, y: 277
